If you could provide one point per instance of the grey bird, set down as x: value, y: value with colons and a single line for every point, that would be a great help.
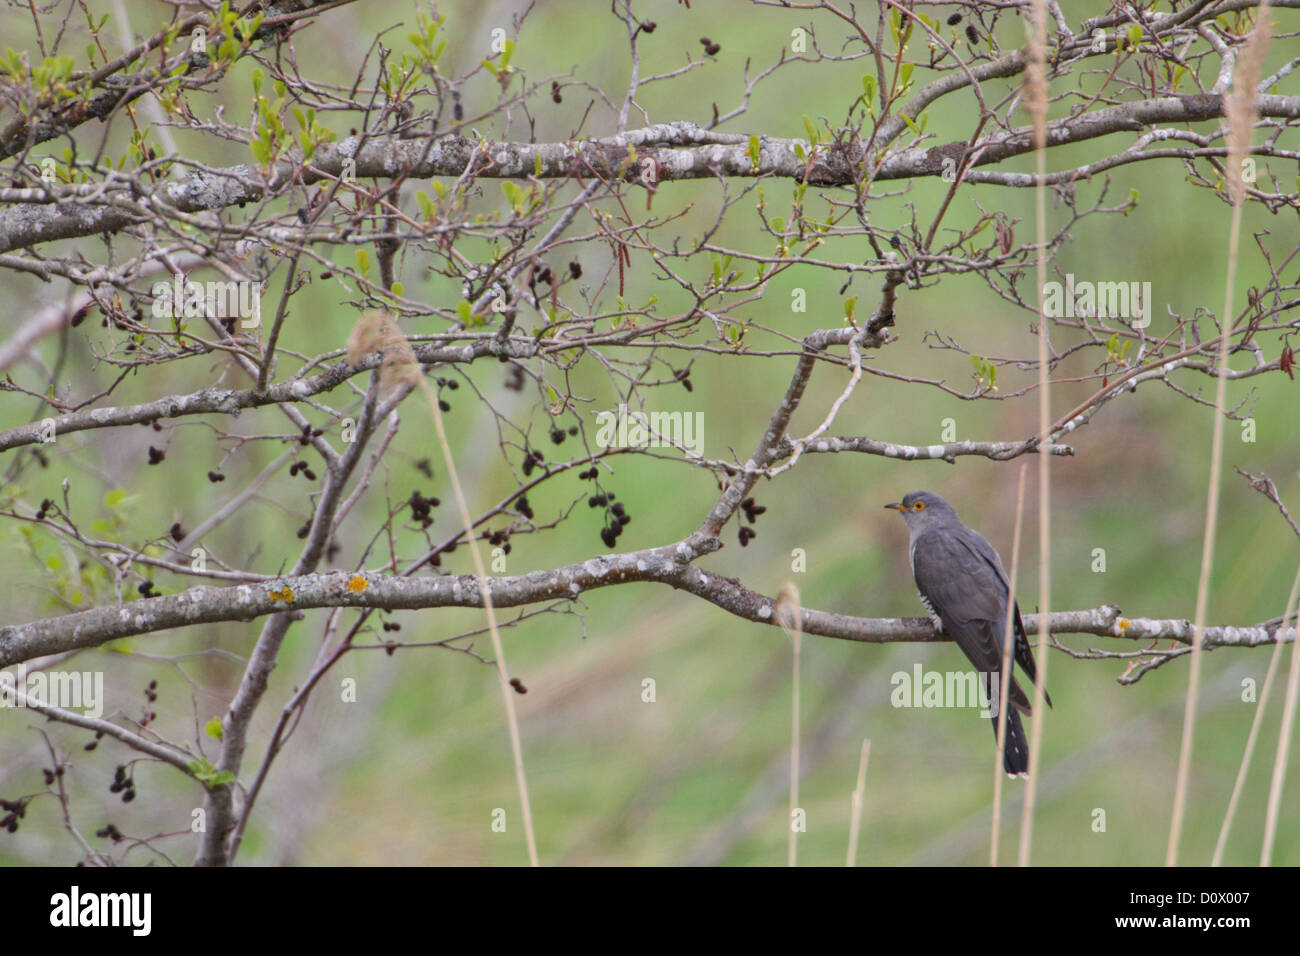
x: 965, y: 591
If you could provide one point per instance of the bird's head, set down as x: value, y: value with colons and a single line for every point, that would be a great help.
x: 920, y: 509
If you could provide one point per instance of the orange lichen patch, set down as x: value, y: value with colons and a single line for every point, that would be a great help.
x: 357, y: 584
x: 285, y: 594
x: 1123, y: 623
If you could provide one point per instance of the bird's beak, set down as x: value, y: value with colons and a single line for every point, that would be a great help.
x: 896, y: 506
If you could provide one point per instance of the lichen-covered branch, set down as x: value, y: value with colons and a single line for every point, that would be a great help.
x: 671, y: 565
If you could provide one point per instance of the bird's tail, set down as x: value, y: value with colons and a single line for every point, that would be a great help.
x: 1015, y: 757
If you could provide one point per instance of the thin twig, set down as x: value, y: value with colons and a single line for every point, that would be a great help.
x: 1254, y: 730
x: 790, y: 614
x: 855, y: 820
x: 498, y: 649
x: 1007, y: 642
x: 1036, y: 81
x: 1240, y: 110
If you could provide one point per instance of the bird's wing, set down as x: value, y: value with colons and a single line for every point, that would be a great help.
x: 964, y: 591
x: 1024, y: 656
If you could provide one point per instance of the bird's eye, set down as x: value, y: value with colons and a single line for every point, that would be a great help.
x: 918, y: 506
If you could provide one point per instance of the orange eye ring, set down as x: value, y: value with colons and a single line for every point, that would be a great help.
x: 918, y: 506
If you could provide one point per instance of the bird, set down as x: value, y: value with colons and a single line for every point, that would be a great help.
x: 965, y: 592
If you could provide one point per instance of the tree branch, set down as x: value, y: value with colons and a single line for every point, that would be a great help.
x: 670, y: 151
x: 670, y: 564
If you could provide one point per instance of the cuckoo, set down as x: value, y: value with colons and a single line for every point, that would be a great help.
x: 965, y: 591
